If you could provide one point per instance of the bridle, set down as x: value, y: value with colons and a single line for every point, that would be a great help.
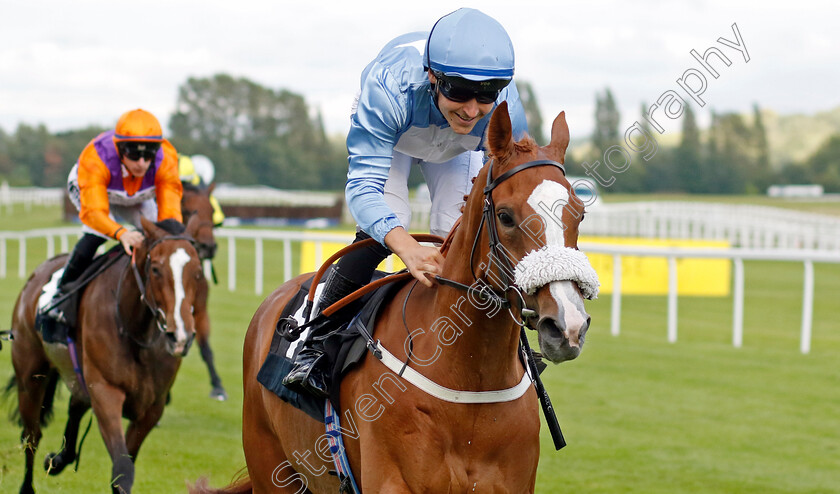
x: 189, y: 213
x: 201, y: 224
x: 488, y: 218
x: 497, y: 255
x: 148, y: 301
x: 486, y: 291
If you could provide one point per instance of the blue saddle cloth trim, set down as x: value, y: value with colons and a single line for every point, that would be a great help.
x: 339, y: 454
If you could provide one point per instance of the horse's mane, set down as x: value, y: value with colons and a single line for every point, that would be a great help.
x: 190, y: 187
x: 172, y: 226
x: 525, y: 145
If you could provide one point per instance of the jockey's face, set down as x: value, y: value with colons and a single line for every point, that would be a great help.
x: 137, y: 167
x: 462, y: 117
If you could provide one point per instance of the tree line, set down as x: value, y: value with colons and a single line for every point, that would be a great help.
x: 732, y: 156
x: 258, y: 135
x: 253, y: 135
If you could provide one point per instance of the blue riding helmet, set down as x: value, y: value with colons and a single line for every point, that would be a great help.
x: 470, y: 45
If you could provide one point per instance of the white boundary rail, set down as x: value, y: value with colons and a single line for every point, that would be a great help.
x: 738, y: 256
x: 28, y: 196
x: 744, y: 226
x: 63, y: 235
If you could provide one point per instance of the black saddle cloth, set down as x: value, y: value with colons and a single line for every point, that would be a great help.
x: 53, y: 331
x: 344, y: 348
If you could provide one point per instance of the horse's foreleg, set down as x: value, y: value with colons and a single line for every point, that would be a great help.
x: 54, y: 463
x: 140, y: 428
x: 202, y: 330
x: 108, y: 405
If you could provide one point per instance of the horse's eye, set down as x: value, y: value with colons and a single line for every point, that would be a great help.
x: 155, y: 271
x: 505, y: 218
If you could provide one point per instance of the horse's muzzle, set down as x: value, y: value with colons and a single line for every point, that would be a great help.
x: 559, y: 343
x: 206, y: 250
x: 176, y: 348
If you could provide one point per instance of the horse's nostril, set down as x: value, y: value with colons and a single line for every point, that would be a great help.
x: 207, y: 251
x: 549, y: 326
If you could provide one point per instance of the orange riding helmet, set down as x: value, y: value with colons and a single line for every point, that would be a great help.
x: 138, y: 125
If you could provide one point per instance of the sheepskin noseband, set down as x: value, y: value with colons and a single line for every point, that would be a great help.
x: 556, y: 263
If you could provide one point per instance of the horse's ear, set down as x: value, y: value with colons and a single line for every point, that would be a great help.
x: 193, y: 225
x: 559, y: 137
x: 210, y: 188
x: 500, y: 133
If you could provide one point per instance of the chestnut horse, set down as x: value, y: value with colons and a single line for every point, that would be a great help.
x: 474, y: 427
x: 135, y: 322
x: 196, y: 202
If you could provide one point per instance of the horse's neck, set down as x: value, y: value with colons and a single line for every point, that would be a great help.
x: 474, y: 336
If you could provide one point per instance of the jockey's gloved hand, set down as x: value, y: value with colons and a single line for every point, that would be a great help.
x: 131, y: 238
x: 422, y: 261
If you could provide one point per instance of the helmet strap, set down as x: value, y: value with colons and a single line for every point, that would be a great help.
x: 435, y: 93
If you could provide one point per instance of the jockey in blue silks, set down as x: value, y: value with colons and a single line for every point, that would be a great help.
x: 426, y: 99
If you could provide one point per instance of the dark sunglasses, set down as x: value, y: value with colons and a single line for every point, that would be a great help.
x: 135, y: 151
x: 135, y: 154
x: 461, y: 94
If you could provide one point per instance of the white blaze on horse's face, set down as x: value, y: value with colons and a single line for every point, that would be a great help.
x: 177, y: 261
x: 561, y: 336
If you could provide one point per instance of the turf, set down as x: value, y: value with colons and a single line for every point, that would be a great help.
x: 640, y: 415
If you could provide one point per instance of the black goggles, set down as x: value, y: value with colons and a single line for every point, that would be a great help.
x: 460, y: 92
x: 136, y: 151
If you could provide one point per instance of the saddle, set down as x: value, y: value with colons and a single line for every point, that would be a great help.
x: 344, y: 347
x: 53, y: 331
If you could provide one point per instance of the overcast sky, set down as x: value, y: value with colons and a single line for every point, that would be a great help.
x: 68, y: 64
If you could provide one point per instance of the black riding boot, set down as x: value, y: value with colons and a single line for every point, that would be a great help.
x: 79, y: 260
x: 308, y: 374
x: 351, y: 272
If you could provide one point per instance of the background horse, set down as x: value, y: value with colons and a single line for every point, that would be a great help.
x: 196, y: 202
x: 136, y: 321
x: 400, y: 438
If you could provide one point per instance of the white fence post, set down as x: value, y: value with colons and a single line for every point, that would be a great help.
x: 287, y: 260
x: 231, y: 264
x: 2, y: 258
x: 738, y: 307
x: 22, y: 258
x: 258, y: 265
x: 807, y: 307
x: 615, y: 313
x: 207, y: 267
x: 672, y: 299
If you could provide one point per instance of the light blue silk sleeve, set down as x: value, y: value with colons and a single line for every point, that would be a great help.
x: 380, y: 115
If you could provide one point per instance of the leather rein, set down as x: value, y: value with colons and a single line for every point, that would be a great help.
x: 148, y: 301
x: 488, y: 219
